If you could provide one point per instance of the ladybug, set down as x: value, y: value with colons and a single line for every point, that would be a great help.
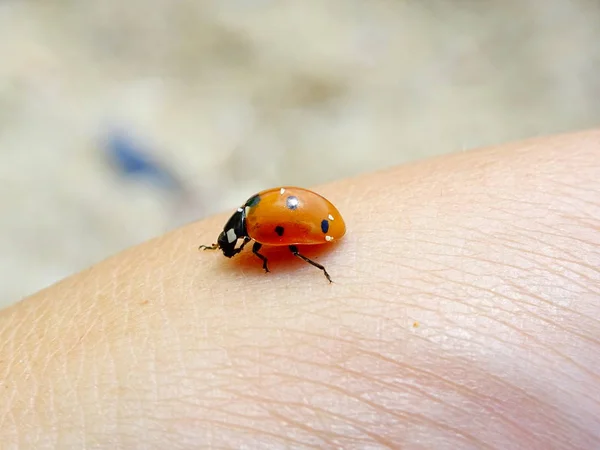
x: 283, y: 216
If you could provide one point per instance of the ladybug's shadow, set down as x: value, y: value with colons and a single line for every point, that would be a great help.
x: 281, y: 259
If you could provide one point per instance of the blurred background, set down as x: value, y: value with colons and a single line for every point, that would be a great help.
x: 120, y: 120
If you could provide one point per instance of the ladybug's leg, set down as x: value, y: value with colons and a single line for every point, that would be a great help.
x: 209, y: 247
x: 294, y: 250
x: 255, y: 248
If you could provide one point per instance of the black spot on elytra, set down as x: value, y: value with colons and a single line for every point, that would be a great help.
x: 325, y: 226
x: 253, y: 201
x: 279, y: 230
x: 292, y: 202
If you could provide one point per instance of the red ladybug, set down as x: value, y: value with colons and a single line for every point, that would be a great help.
x: 287, y: 216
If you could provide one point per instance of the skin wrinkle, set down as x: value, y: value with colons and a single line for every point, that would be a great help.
x: 247, y: 431
x: 532, y: 337
x: 522, y: 301
x: 467, y: 392
x: 575, y: 200
x: 296, y: 360
x: 542, y: 346
x: 583, y: 220
x: 328, y: 438
x: 336, y: 439
x: 581, y: 286
x: 553, y: 323
x: 377, y: 383
x: 520, y: 249
x: 225, y: 424
x: 355, y: 424
x: 412, y: 418
x: 269, y: 403
x: 555, y: 260
x: 562, y: 355
x: 591, y: 226
x: 582, y: 243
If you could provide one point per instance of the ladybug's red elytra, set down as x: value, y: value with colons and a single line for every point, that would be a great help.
x: 283, y: 216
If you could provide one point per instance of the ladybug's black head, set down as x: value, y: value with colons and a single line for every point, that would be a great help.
x: 234, y: 229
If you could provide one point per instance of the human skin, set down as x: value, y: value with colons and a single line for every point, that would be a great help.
x: 464, y: 314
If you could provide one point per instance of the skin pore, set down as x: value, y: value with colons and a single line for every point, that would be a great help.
x: 464, y: 314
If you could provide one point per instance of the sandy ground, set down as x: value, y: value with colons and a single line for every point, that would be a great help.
x: 239, y: 95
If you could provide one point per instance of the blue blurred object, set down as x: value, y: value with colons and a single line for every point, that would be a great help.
x: 132, y: 159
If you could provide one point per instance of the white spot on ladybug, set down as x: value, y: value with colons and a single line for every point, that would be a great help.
x: 240, y: 209
x: 281, y: 191
x: 292, y: 202
x: 330, y: 217
x: 329, y: 238
x: 231, y: 237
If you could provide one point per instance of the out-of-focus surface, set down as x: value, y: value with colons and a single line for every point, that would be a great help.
x: 233, y: 96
